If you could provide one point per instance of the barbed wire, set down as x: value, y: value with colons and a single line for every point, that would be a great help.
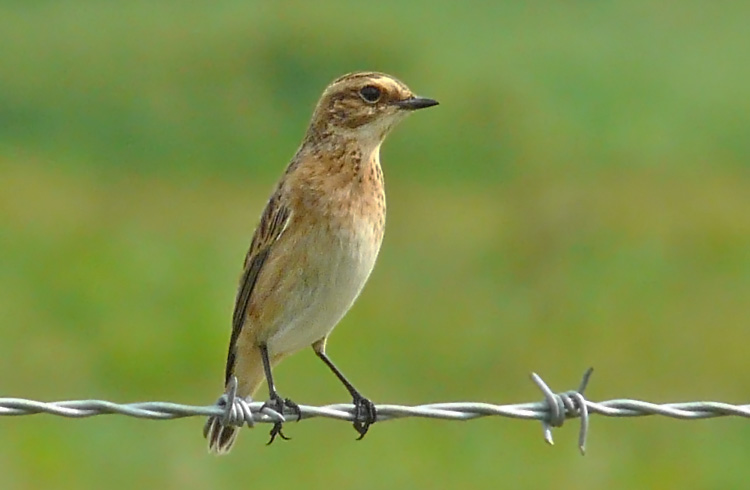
x: 552, y: 411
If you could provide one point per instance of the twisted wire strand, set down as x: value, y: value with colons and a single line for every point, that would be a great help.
x: 552, y: 411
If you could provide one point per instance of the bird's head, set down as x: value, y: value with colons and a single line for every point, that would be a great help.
x: 365, y: 106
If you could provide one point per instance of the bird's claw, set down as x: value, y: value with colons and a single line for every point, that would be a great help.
x: 277, y: 404
x: 365, y: 415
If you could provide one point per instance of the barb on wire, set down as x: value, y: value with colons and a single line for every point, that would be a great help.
x: 565, y: 405
x: 552, y: 412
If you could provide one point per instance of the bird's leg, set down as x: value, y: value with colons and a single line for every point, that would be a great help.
x: 364, y: 410
x: 275, y: 402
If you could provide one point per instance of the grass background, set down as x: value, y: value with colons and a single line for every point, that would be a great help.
x: 581, y: 197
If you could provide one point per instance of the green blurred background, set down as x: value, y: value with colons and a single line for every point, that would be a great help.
x: 580, y: 197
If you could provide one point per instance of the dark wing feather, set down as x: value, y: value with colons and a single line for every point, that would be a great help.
x: 272, y: 225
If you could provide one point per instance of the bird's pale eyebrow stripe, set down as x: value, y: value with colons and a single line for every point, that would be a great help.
x: 375, y: 77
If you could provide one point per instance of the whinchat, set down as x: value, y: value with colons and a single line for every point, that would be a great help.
x: 316, y: 243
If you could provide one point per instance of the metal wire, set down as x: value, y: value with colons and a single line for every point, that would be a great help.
x: 552, y: 412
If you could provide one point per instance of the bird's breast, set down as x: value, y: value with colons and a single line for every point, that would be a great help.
x: 337, y: 256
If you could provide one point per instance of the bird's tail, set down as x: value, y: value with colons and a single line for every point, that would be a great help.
x: 221, y: 437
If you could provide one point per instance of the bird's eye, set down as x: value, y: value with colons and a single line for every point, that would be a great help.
x: 370, y: 94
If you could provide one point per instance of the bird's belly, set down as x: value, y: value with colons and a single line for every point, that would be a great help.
x: 336, y: 269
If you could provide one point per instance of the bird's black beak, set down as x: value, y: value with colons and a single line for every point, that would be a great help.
x: 414, y: 103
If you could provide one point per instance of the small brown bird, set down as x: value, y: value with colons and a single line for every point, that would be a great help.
x: 316, y: 243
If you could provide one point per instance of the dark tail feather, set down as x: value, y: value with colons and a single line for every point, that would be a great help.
x: 220, y: 437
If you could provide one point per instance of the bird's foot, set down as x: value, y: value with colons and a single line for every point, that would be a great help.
x: 277, y: 404
x: 365, y: 415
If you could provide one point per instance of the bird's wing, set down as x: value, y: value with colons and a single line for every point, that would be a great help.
x: 273, y: 222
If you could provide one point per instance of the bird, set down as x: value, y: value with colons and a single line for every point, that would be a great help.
x: 316, y: 244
